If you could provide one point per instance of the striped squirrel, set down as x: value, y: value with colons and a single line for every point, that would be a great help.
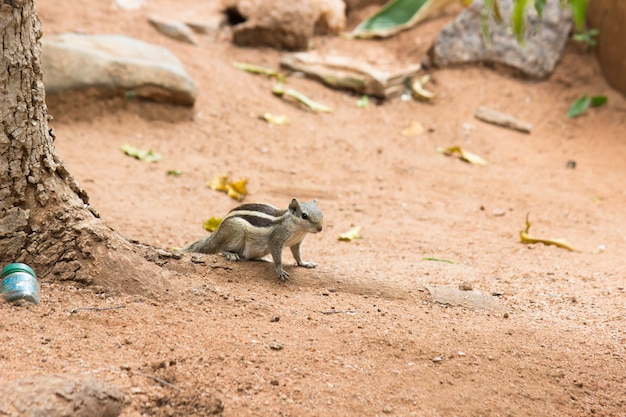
x: 251, y: 231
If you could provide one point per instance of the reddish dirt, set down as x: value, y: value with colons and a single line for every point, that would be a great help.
x: 360, y: 333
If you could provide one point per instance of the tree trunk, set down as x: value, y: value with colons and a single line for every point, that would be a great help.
x: 45, y: 218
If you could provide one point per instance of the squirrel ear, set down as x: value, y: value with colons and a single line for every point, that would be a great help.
x: 315, y: 201
x: 294, y: 205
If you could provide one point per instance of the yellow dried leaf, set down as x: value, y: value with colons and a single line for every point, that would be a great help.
x: 414, y: 129
x: 218, y: 183
x: 419, y: 92
x: 257, y: 69
x: 463, y: 154
x: 280, y: 120
x: 526, y: 238
x: 279, y: 90
x: 237, y: 189
x: 351, y: 234
x: 212, y: 224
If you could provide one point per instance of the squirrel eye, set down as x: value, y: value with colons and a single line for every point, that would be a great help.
x: 305, y: 216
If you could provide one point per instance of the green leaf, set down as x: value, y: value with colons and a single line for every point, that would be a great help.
x: 141, y: 154
x: 597, y: 101
x: 588, y: 37
x: 394, y: 13
x: 448, y: 261
x: 362, y: 102
x: 578, y: 107
x: 540, y: 5
x: 397, y: 15
x: 518, y: 18
x: 579, y: 12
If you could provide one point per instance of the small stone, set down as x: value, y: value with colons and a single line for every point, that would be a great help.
x: 276, y: 346
x: 387, y: 409
x: 274, y: 382
x: 437, y: 359
x: 275, y: 319
x: 570, y: 164
x: 505, y: 315
x: 466, y: 286
x: 173, y: 29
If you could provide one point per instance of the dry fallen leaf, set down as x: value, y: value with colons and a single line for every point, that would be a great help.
x: 257, y: 69
x: 143, y: 155
x: 235, y: 189
x: 280, y: 120
x: 351, y: 234
x: 526, y: 238
x: 463, y: 154
x: 414, y: 129
x: 419, y: 92
x: 218, y: 183
x: 212, y: 224
x: 279, y: 90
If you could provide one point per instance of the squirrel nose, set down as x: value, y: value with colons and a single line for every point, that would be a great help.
x: 319, y: 228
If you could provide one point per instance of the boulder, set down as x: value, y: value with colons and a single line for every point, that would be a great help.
x: 113, y: 65
x: 461, y: 42
x: 285, y: 24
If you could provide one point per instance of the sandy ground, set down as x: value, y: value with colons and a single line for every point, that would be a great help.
x: 360, y: 335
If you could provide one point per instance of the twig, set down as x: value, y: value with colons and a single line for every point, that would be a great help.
x: 159, y: 380
x: 77, y: 309
x: 339, y: 311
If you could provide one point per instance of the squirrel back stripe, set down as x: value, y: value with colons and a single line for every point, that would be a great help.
x: 260, y: 208
x: 256, y: 221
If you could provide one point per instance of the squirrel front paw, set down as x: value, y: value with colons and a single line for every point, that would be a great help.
x: 307, y: 264
x: 282, y: 275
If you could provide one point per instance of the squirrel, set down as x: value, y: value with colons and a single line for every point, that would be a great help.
x: 251, y: 231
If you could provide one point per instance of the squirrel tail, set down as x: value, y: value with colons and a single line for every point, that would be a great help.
x: 206, y: 244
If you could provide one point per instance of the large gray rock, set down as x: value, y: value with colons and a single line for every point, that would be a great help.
x: 60, y: 396
x: 461, y: 41
x: 113, y: 65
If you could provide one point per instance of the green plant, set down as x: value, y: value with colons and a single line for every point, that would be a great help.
x: 587, y: 37
x: 520, y: 10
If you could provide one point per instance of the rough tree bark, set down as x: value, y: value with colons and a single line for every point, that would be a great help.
x: 45, y: 217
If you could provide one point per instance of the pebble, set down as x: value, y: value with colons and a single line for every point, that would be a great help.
x: 466, y: 286
x: 275, y: 319
x: 276, y: 346
x: 438, y: 359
